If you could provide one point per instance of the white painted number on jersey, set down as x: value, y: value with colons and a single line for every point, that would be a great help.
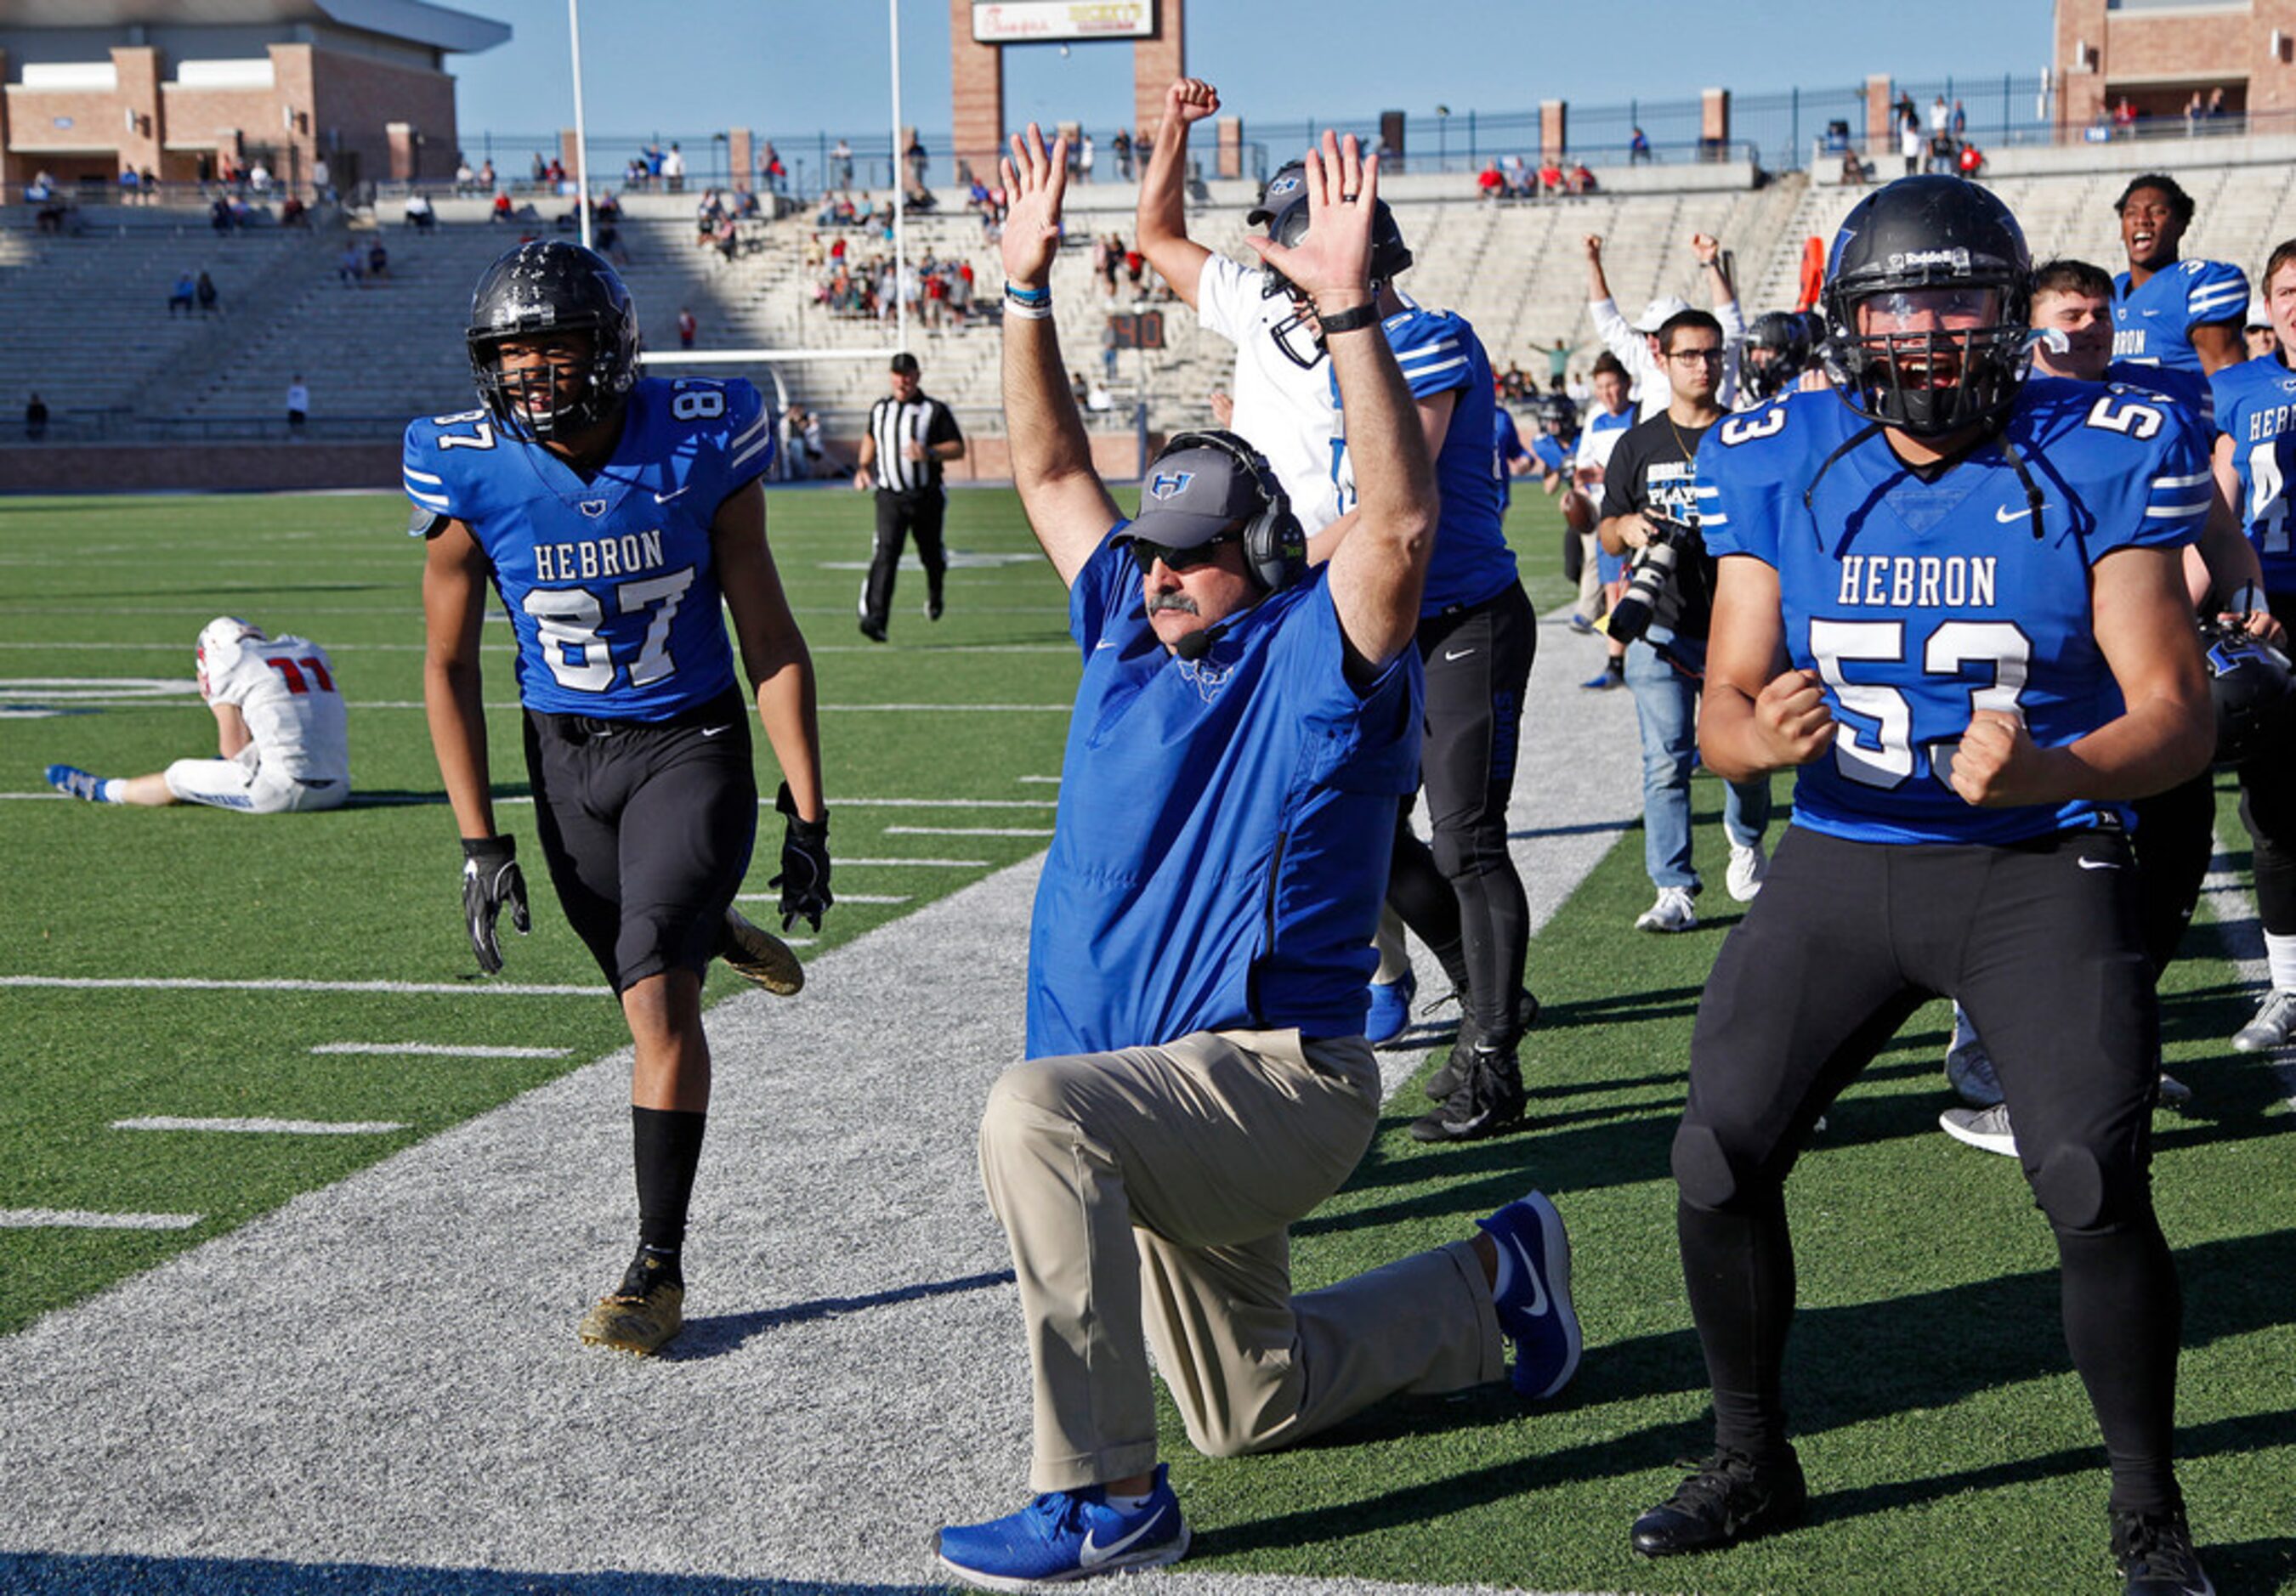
x: 1884, y: 757
x: 2267, y: 498
x: 481, y: 437
x: 568, y: 621
x: 2116, y: 413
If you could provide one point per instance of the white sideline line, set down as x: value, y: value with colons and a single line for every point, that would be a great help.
x: 865, y: 803
x: 843, y: 898
x: 921, y: 863
x: 440, y: 1050
x: 83, y: 1219
x: 433, y: 800
x: 272, y: 1127
x: 1051, y: 780
x: 410, y: 988
x: 968, y: 830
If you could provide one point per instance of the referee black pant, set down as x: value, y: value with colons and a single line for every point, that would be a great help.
x: 2039, y: 942
x: 903, y: 513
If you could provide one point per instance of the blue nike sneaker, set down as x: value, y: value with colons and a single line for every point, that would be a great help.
x: 1532, y: 1295
x: 74, y: 782
x: 1390, y: 1009
x: 1066, y: 1534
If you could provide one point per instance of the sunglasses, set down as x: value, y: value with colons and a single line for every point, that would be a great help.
x: 1145, y: 554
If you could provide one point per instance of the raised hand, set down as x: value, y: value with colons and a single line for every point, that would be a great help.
x: 1190, y: 100
x: 1035, y: 180
x: 1334, y: 258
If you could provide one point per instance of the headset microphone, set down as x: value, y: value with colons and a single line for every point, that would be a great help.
x: 1195, y: 645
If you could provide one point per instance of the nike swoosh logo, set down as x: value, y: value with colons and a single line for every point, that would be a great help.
x: 1098, y: 646
x: 2097, y: 864
x: 2005, y: 516
x: 1092, y: 1555
x: 664, y: 498
x: 1522, y: 1262
x: 713, y: 731
x: 1462, y: 654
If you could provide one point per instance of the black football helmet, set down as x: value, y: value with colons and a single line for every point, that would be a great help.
x: 1283, y: 207
x: 2254, y: 692
x: 1785, y: 336
x: 548, y: 286
x: 1929, y: 233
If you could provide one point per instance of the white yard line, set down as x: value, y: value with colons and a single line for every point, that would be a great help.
x: 201, y: 984
x: 262, y: 1127
x: 441, y: 1049
x: 82, y: 1219
x: 968, y: 830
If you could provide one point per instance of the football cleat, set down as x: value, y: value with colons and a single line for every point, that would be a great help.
x: 1985, y: 1128
x: 1748, y: 866
x: 1445, y: 1081
x: 759, y: 957
x: 2173, y: 1092
x: 2274, y: 1023
x: 1067, y: 1534
x: 1390, y: 1009
x: 1671, y: 912
x: 640, y: 1314
x: 74, y: 782
x: 934, y: 608
x: 1533, y: 1305
x: 2154, y: 1554
x: 1727, y: 1498
x: 1488, y: 1100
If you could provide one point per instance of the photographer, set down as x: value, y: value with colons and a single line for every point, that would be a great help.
x: 1648, y: 510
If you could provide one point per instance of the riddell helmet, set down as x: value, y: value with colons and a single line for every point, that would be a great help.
x: 2254, y: 693
x: 1287, y: 225
x: 549, y: 286
x: 1786, y: 337
x: 1929, y: 233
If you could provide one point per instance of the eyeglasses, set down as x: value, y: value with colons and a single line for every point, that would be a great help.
x: 1696, y: 356
x: 1145, y: 554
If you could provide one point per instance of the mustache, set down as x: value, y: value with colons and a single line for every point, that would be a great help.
x: 1179, y: 603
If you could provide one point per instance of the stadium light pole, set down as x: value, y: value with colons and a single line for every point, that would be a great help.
x: 581, y: 132
x: 900, y: 190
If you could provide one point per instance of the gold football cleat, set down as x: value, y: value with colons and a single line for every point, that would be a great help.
x: 637, y: 1322
x: 759, y: 957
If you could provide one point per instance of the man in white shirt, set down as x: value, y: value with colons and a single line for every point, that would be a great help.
x: 1635, y: 343
x: 280, y: 725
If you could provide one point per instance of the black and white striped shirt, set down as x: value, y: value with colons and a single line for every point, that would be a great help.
x: 893, y: 424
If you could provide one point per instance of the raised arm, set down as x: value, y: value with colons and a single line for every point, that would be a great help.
x: 1161, y: 222
x: 1067, y: 504
x: 1379, y: 571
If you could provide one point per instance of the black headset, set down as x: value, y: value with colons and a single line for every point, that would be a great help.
x: 1275, y: 545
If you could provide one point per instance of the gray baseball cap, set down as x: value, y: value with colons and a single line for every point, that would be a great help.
x: 1192, y: 495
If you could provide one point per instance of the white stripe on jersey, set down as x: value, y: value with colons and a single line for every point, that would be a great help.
x: 1429, y: 368
x: 2164, y: 512
x: 762, y: 421
x: 2191, y: 481
x: 437, y: 500
x: 414, y: 475
x: 2225, y: 295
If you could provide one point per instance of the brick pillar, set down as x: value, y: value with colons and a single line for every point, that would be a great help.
x: 1714, y: 123
x: 1881, y: 136
x: 1229, y: 160
x: 2272, y: 84
x: 12, y: 169
x: 976, y: 96
x: 1554, y: 129
x: 291, y: 72
x: 2080, y: 79
x: 1156, y: 60
x: 138, y: 70
x: 401, y: 136
x: 740, y: 158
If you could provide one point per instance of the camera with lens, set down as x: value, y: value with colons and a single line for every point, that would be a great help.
x: 1647, y: 578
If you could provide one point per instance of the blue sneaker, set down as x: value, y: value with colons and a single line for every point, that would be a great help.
x: 74, y: 782
x: 1603, y: 680
x: 1066, y: 1534
x: 1390, y: 1009
x: 1533, y: 1293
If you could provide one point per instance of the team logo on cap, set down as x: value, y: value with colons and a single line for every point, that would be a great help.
x: 1283, y: 186
x: 1165, y: 483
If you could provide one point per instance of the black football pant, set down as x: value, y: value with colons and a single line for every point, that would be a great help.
x: 917, y: 513
x: 1464, y: 893
x: 2175, y: 839
x: 2039, y: 942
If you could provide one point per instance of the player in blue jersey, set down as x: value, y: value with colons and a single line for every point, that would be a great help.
x: 1950, y: 600
x: 1477, y: 635
x: 621, y: 520
x: 2181, y: 315
x: 1197, y: 1080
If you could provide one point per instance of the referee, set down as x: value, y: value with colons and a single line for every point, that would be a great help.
x: 910, y: 436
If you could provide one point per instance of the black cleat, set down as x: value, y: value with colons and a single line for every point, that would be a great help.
x: 1486, y: 1100
x: 875, y: 631
x: 1727, y: 1498
x: 2154, y: 1553
x: 1446, y: 1080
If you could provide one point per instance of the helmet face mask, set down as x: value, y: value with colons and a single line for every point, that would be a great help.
x: 1777, y: 351
x: 1928, y: 291
x: 538, y: 293
x: 1297, y: 334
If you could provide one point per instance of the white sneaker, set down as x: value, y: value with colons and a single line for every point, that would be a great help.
x: 1985, y: 1128
x: 1671, y: 912
x: 1748, y: 866
x: 2272, y: 1027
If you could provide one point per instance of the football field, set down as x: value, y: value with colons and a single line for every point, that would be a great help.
x: 298, y: 1212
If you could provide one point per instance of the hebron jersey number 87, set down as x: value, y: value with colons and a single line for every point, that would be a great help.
x: 570, y: 621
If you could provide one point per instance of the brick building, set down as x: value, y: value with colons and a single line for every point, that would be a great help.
x: 93, y: 86
x: 2155, y: 53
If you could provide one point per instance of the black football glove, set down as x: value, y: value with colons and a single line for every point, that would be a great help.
x: 804, y: 879
x: 491, y: 883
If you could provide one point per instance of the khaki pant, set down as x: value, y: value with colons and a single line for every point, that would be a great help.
x: 1149, y: 1192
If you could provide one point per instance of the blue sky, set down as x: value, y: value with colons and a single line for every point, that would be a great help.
x: 798, y: 66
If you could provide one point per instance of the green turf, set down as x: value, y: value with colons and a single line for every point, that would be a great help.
x: 1948, y: 1444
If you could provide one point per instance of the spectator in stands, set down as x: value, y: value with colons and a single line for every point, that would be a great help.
x: 1637, y: 344
x: 1909, y: 139
x: 1492, y: 186
x: 2124, y: 118
x: 128, y: 184
x: 1550, y: 176
x: 917, y: 160
x: 420, y: 216
x: 298, y: 404
x: 378, y: 260
x: 688, y: 324
x: 2217, y: 112
x: 841, y: 163
x: 43, y: 186
x: 219, y: 214
x: 486, y: 177
x: 2193, y: 110
x: 350, y: 266
x: 184, y: 295
x: 465, y: 179
x: 2259, y: 335
x: 35, y: 418
x: 210, y: 303
x: 1970, y: 161
x: 1854, y: 171
x: 322, y: 187
x: 293, y: 212
x: 1558, y: 361
x: 1084, y: 158
x: 1078, y: 387
x: 258, y: 178
x: 1122, y: 145
x: 1638, y: 147
x: 502, y: 211
x: 673, y: 170
x: 1581, y: 180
